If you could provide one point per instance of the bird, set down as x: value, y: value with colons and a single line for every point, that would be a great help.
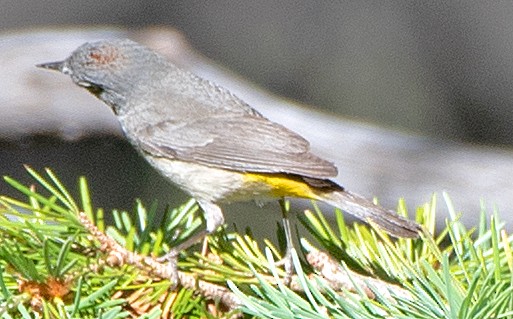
x: 208, y: 141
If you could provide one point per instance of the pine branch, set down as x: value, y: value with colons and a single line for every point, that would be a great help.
x: 59, y: 259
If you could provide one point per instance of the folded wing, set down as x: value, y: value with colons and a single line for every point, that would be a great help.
x: 242, y: 143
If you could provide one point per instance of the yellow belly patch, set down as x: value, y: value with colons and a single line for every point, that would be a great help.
x: 281, y: 185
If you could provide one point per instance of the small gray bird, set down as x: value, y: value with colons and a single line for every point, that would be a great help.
x: 207, y: 141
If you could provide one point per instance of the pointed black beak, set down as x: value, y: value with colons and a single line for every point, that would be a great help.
x: 57, y: 66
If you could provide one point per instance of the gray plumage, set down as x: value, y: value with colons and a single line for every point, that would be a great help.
x: 201, y: 136
x: 201, y: 122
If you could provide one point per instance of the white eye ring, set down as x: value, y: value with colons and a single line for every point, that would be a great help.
x: 83, y: 84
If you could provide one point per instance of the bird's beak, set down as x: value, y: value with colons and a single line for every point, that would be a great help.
x: 57, y: 66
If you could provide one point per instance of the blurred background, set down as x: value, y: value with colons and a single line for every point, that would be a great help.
x: 437, y: 67
x: 427, y: 83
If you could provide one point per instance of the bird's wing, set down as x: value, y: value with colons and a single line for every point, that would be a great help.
x: 242, y: 143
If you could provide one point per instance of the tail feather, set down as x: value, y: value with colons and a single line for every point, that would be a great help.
x: 365, y: 210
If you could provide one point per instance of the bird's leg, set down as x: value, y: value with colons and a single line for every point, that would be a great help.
x: 172, y: 256
x: 213, y: 217
x: 286, y: 261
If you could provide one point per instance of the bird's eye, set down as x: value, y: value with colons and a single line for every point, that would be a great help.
x: 94, y: 89
x: 91, y: 87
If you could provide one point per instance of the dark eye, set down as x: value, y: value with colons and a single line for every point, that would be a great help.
x: 94, y: 89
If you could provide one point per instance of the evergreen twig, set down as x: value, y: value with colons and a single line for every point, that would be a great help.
x: 59, y: 259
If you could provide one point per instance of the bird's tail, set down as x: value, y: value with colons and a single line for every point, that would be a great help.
x: 365, y: 210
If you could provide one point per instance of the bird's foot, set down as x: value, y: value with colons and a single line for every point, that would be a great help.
x: 172, y: 262
x: 288, y: 266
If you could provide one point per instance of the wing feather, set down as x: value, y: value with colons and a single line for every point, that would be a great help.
x: 242, y: 143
